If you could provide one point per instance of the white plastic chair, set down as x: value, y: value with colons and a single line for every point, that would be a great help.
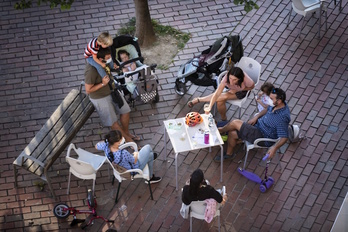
x: 258, y: 144
x: 250, y: 67
x: 85, y: 166
x: 197, y: 210
x: 305, y: 7
x: 144, y: 174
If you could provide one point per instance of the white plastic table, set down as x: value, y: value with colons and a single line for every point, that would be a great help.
x: 184, y: 138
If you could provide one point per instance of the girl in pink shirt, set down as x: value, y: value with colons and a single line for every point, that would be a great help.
x: 238, y: 83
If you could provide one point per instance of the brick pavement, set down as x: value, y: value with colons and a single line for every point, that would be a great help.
x: 41, y: 60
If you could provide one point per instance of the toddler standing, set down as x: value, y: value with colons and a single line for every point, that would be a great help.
x: 263, y: 100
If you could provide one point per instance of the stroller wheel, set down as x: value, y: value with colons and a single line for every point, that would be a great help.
x: 180, y: 88
x: 156, y: 99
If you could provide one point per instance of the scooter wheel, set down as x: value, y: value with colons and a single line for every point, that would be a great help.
x: 180, y: 88
x: 263, y: 188
x: 61, y: 211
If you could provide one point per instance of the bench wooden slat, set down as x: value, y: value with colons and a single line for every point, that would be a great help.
x: 66, y: 134
x: 55, y: 135
x: 51, y: 122
x: 45, y: 150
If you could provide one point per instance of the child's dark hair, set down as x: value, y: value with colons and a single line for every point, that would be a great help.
x: 267, y: 88
x: 237, y: 72
x: 103, y: 52
x: 113, y: 137
x: 120, y: 52
x: 196, y: 180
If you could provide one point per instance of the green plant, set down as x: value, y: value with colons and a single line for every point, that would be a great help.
x: 249, y: 5
x: 40, y: 185
x: 64, y: 4
x: 160, y: 30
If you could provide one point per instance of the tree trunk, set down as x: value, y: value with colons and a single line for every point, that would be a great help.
x: 143, y: 27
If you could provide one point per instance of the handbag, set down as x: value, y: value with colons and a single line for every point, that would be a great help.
x: 147, y: 88
x: 116, y: 96
x: 120, y: 169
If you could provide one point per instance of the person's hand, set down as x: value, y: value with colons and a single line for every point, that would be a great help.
x: 272, y: 151
x: 135, y: 153
x: 115, y: 66
x: 224, y: 199
x: 258, y: 100
x: 252, y: 121
x: 103, y: 65
x: 105, y: 80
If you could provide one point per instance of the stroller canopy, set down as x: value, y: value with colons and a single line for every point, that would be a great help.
x: 127, y: 43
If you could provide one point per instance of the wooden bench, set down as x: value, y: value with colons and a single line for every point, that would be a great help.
x: 55, y: 135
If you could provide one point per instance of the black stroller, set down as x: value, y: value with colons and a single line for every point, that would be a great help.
x: 202, y: 69
x: 139, y: 83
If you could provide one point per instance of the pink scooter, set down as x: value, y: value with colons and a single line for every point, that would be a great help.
x: 265, y: 184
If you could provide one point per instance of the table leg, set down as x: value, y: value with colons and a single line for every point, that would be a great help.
x: 165, y: 142
x: 176, y: 170
x: 222, y: 161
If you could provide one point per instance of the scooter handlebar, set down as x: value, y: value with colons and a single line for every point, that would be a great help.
x: 265, y: 157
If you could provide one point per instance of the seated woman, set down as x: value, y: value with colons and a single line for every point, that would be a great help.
x: 199, y: 190
x: 137, y: 160
x: 238, y: 83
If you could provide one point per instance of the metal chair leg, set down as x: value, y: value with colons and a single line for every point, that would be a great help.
x: 190, y: 224
x: 289, y: 15
x: 118, y: 190
x: 150, y: 189
x: 68, y: 183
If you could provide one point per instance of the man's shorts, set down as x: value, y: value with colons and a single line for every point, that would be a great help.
x: 108, y: 110
x: 249, y: 133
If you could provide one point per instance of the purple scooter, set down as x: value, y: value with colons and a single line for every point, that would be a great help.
x: 265, y: 183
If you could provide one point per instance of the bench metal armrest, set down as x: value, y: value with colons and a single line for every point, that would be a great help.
x: 36, y: 161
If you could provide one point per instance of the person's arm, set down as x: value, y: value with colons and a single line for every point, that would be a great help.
x: 100, y: 145
x: 216, y: 95
x: 135, y: 155
x: 272, y: 151
x: 133, y: 66
x: 98, y: 61
x: 253, y: 121
x: 90, y: 88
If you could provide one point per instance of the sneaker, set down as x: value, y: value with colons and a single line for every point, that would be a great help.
x: 226, y: 157
x: 155, y: 155
x: 154, y: 179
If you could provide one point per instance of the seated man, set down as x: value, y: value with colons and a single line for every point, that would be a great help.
x: 99, y: 93
x: 272, y: 122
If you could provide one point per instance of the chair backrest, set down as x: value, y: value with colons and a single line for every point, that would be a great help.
x: 251, y: 67
x: 298, y: 5
x: 80, y: 167
x: 142, y: 173
x: 85, y: 157
x: 197, y: 209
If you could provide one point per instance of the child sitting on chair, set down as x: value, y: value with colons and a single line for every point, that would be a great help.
x: 262, y: 98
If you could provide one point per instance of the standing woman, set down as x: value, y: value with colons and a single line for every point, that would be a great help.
x: 137, y: 160
x: 238, y: 83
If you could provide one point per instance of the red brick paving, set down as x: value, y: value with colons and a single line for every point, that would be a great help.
x: 42, y: 61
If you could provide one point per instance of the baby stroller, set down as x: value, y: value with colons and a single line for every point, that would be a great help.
x: 202, y: 69
x: 140, y: 83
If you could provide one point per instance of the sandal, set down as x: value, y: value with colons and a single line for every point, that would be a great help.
x: 191, y: 104
x: 136, y: 138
